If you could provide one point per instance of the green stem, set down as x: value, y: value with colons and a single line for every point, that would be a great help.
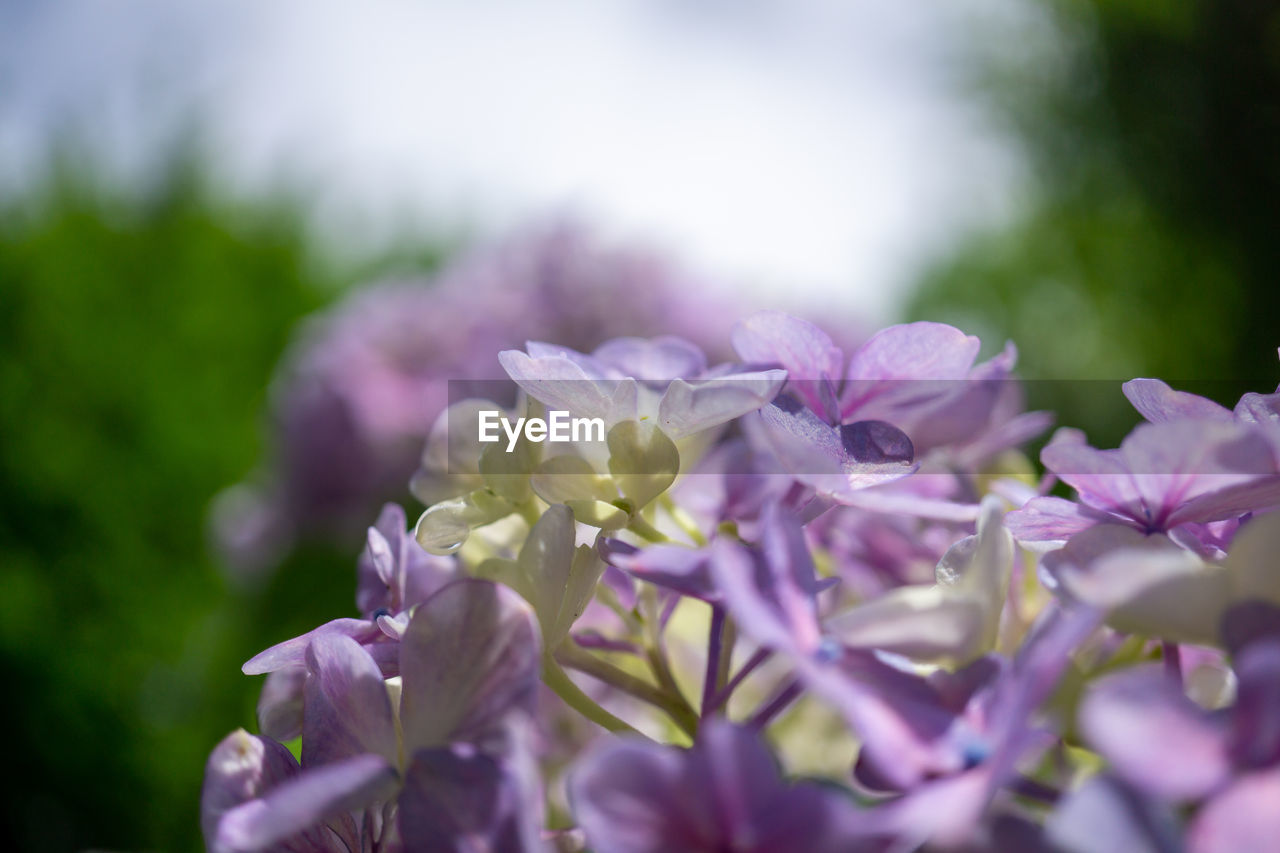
x: 645, y: 530
x: 684, y: 715
x: 575, y: 657
x: 606, y: 596
x: 530, y: 512
x: 560, y: 683
x: 682, y: 519
x: 655, y: 653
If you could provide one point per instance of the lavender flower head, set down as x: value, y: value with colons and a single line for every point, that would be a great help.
x: 783, y: 603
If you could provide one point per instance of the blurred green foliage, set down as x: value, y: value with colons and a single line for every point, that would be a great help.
x: 1149, y: 247
x: 137, y: 335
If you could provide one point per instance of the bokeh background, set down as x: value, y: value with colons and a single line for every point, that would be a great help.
x: 182, y: 184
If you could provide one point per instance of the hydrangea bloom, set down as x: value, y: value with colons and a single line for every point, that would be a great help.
x: 362, y: 383
x: 636, y: 633
x: 1164, y: 476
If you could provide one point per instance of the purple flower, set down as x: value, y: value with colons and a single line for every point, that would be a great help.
x: 664, y: 380
x: 726, y: 487
x: 1105, y: 814
x: 1151, y: 586
x: 758, y: 488
x: 680, y: 568
x: 394, y: 575
x: 1159, y: 403
x: 908, y: 391
x: 771, y: 591
x: 873, y: 552
x: 953, y: 740
x: 968, y: 730
x: 1163, y: 476
x: 441, y: 765
x: 836, y: 461
x: 919, y: 377
x: 1162, y: 743
x: 724, y: 793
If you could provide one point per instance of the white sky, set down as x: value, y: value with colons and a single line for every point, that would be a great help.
x: 814, y: 151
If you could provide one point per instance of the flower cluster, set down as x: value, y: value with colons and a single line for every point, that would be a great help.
x: 804, y: 600
x: 353, y: 398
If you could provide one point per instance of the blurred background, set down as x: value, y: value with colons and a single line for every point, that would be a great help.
x: 241, y: 243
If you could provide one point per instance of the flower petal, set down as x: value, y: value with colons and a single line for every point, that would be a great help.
x: 280, y: 703
x: 1147, y: 584
x: 355, y: 693
x: 1047, y: 519
x: 629, y: 797
x: 1258, y: 408
x: 803, y: 350
x: 458, y: 799
x: 835, y: 461
x: 1134, y: 717
x: 1244, y: 817
x: 692, y: 406
x: 242, y: 767
x: 915, y: 351
x: 681, y: 568
x: 724, y: 793
x: 643, y: 460
x: 651, y: 360
x: 1255, y: 720
x: 1158, y: 403
x: 797, y: 346
x: 305, y: 801
x: 899, y: 717
x: 924, y: 623
x: 768, y: 602
x: 470, y: 655
x: 294, y: 652
x: 1106, y: 811
x: 561, y: 384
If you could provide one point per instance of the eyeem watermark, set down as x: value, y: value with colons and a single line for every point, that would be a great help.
x: 557, y: 427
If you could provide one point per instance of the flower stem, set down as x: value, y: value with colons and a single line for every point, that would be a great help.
x: 662, y: 672
x: 654, y: 651
x: 682, y: 520
x: 722, y: 697
x: 645, y: 530
x: 728, y: 642
x: 775, y: 706
x: 715, y: 638
x: 576, y: 657
x: 1172, y: 661
x: 560, y: 683
x: 1035, y: 790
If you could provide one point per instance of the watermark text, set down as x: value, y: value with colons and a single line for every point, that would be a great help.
x: 557, y: 427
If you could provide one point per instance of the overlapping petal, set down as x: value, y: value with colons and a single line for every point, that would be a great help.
x: 470, y: 656
x: 725, y: 793
x: 303, y: 803
x: 1154, y: 736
